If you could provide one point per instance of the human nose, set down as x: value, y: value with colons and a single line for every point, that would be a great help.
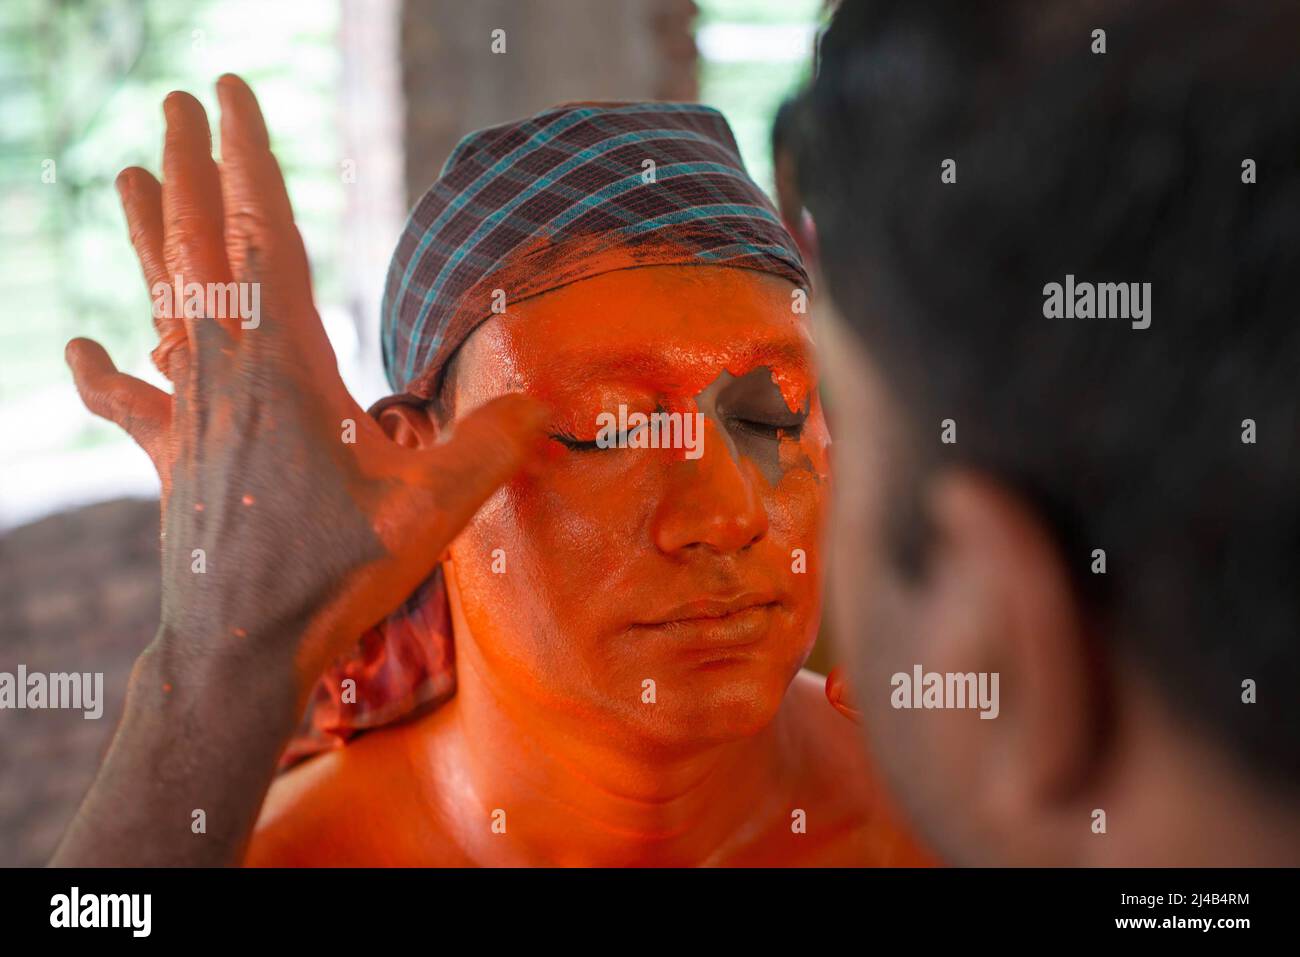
x: 713, y: 502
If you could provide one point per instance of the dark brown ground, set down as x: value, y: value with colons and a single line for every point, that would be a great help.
x: 78, y: 592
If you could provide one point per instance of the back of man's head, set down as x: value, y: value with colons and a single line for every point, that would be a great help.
x: 1094, y: 150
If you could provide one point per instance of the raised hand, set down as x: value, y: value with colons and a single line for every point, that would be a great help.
x: 291, y: 522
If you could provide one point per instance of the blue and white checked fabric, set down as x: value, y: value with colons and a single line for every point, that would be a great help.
x: 525, y: 206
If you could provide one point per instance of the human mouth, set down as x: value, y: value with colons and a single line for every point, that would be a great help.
x: 709, y: 623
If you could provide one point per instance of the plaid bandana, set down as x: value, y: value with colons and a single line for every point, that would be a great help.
x: 525, y: 208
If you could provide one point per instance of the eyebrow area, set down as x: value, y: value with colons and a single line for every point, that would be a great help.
x: 679, y: 362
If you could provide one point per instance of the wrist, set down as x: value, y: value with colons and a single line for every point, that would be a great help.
x: 232, y: 687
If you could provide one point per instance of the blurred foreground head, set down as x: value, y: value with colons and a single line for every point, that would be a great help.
x: 1104, y: 512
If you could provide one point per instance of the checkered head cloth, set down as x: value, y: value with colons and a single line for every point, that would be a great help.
x: 527, y: 207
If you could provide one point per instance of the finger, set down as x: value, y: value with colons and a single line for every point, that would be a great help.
x: 837, y: 693
x: 259, y: 216
x: 142, y: 411
x: 486, y: 449
x: 141, y: 197
x: 193, y: 232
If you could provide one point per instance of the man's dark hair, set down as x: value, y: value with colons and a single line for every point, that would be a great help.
x: 1122, y: 166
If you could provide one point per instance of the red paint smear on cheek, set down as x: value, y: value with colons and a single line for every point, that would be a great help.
x: 795, y: 385
x: 811, y: 450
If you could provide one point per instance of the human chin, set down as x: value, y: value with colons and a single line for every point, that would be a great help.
x: 720, y: 678
x: 707, y: 675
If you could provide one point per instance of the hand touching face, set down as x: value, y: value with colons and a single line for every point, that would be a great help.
x: 291, y: 522
x: 629, y: 564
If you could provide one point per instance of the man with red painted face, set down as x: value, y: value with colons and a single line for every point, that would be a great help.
x: 629, y: 623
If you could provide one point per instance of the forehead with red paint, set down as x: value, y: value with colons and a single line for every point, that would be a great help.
x: 670, y: 329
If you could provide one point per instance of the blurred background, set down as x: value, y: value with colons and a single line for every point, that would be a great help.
x: 364, y: 99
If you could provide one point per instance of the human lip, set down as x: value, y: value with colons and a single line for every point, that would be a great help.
x: 734, y: 621
x: 703, y: 609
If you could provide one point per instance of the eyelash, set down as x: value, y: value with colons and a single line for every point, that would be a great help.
x: 768, y: 430
x: 575, y: 444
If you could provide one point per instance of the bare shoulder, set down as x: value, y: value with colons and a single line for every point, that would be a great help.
x: 351, y: 807
x: 832, y: 743
x: 845, y: 788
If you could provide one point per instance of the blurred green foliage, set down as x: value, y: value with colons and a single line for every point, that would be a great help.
x: 749, y: 86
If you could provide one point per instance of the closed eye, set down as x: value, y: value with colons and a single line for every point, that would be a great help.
x: 593, y: 445
x: 576, y: 445
x: 769, y: 430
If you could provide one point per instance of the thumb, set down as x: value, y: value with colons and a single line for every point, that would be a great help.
x: 837, y: 693
x: 486, y: 448
x: 142, y: 411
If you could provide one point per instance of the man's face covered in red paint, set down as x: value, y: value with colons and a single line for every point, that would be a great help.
x: 692, y: 568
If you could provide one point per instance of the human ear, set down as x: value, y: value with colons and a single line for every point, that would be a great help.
x: 406, y: 420
x: 1001, y: 601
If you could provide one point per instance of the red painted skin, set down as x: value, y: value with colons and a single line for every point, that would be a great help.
x: 612, y: 557
x: 549, y: 724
